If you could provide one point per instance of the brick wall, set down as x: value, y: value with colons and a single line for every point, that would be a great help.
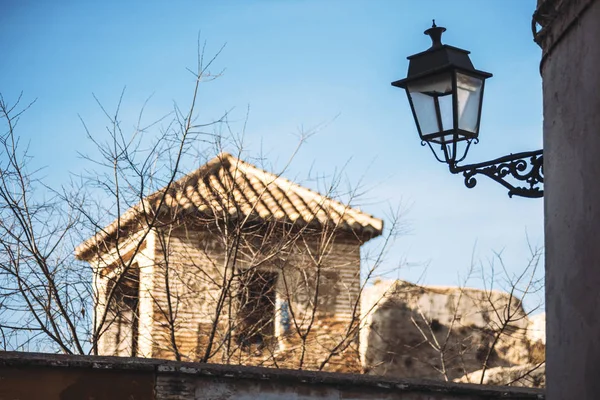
x: 182, y: 275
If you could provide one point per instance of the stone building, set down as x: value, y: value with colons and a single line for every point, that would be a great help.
x: 232, y: 264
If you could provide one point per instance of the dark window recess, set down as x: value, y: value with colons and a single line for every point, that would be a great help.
x: 256, y: 312
x: 124, y: 308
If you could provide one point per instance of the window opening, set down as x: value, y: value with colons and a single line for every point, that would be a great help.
x: 256, y: 312
x: 124, y: 307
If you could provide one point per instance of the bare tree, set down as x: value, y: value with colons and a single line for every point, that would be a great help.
x: 499, y: 339
x: 217, y: 282
x: 240, y: 273
x: 43, y: 296
x: 211, y: 276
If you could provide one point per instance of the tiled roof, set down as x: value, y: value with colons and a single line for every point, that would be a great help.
x: 227, y: 184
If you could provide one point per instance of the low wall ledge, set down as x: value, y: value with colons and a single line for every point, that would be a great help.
x: 224, y: 372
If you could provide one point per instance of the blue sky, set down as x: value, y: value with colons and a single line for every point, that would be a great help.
x: 298, y: 64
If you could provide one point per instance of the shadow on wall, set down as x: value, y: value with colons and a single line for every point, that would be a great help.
x: 53, y: 381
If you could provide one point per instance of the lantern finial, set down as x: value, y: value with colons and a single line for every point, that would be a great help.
x: 435, y: 33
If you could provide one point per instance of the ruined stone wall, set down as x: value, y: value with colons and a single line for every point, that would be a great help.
x: 117, y: 378
x: 443, y: 332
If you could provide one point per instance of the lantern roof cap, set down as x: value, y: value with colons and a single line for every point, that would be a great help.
x: 435, y: 33
x: 438, y: 58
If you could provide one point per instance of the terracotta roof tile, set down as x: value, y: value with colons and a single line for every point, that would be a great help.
x: 227, y: 183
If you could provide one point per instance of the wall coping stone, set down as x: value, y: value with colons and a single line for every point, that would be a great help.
x: 166, y: 367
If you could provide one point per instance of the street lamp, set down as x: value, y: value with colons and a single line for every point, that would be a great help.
x: 445, y: 93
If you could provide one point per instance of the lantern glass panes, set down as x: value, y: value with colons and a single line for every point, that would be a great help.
x: 431, y: 99
x: 468, y: 96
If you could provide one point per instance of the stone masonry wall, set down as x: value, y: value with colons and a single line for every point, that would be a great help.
x: 62, y: 377
x: 444, y: 332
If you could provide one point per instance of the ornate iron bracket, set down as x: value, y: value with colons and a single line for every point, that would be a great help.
x: 526, y: 167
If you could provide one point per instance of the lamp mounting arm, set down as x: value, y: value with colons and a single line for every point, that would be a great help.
x: 526, y: 170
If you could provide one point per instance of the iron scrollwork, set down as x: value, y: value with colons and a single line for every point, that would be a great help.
x: 526, y: 167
